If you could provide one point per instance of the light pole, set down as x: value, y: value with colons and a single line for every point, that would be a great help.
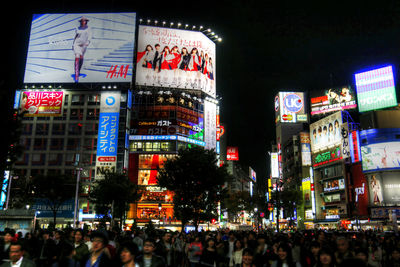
x: 78, y: 177
x: 159, y: 214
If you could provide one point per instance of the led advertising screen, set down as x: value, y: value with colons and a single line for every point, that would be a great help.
x: 175, y: 58
x: 291, y: 108
x: 326, y: 132
x: 305, y: 143
x: 376, y: 89
x: 380, y: 149
x: 252, y: 174
x: 42, y: 103
x: 384, y: 188
x: 84, y: 48
x: 333, y: 99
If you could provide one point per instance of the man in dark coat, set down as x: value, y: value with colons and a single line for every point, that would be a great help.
x: 149, y: 258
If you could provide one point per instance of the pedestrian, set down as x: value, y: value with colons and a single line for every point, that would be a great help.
x: 81, y: 249
x: 209, y: 257
x: 236, y: 259
x: 285, y: 257
x: 247, y: 258
x: 149, y: 258
x: 343, y: 249
x: 66, y: 257
x: 46, y: 253
x: 16, y: 256
x: 194, y: 251
x: 97, y: 257
x: 127, y: 253
x: 5, y: 245
x: 326, y: 258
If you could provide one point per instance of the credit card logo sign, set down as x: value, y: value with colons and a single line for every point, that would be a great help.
x: 293, y: 103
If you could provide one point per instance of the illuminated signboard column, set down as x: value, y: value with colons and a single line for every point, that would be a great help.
x: 376, y: 89
x: 107, y: 141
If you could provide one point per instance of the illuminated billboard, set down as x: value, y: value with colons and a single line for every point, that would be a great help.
x: 175, y: 58
x: 210, y: 124
x: 380, y: 149
x: 326, y: 132
x: 252, y: 174
x: 305, y: 144
x: 274, y: 165
x: 232, y: 153
x: 333, y: 99
x: 42, y: 103
x: 290, y: 107
x: 107, y: 140
x: 81, y: 47
x: 376, y: 89
x: 384, y: 188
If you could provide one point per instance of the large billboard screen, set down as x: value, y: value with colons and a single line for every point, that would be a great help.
x: 81, y: 47
x: 376, y: 89
x: 333, y: 99
x: 326, y: 132
x: 175, y: 58
x: 290, y: 107
x: 41, y: 103
x: 380, y: 149
x: 384, y: 188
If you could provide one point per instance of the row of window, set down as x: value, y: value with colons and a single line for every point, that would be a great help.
x: 74, y: 128
x: 59, y: 143
x: 56, y: 159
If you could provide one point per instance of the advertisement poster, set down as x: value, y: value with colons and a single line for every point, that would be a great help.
x: 274, y: 165
x: 376, y: 89
x: 305, y: 143
x: 232, y: 153
x: 107, y: 141
x: 384, y: 188
x: 380, y: 149
x: 291, y: 107
x: 210, y: 124
x: 81, y: 48
x: 334, y: 99
x: 326, y: 132
x: 43, y: 103
x: 175, y: 58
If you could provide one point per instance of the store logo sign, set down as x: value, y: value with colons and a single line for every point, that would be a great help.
x: 293, y: 103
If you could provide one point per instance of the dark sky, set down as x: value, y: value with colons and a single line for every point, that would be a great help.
x: 266, y: 47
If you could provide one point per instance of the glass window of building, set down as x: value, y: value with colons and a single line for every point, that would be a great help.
x: 57, y: 144
x: 42, y: 129
x: 40, y: 144
x: 38, y: 159
x: 58, y: 129
x: 63, y: 116
x: 91, y: 128
x: 92, y: 114
x: 93, y: 99
x: 73, y: 144
x: 55, y: 159
x: 76, y: 114
x: 74, y: 128
x: 77, y: 100
x: 26, y: 129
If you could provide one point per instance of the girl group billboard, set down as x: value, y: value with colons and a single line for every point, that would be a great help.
x: 175, y: 58
x: 326, y: 132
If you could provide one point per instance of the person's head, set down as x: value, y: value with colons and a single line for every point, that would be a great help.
x: 211, y: 243
x: 157, y: 46
x: 166, y: 49
x: 326, y: 256
x: 247, y: 256
x: 148, y: 246
x: 184, y: 51
x: 342, y: 244
x: 166, y: 237
x: 8, y: 236
x: 315, y: 247
x: 149, y: 48
x: 78, y: 236
x: 362, y: 254
x: 99, y: 241
x: 325, y: 129
x: 238, y: 244
x: 395, y: 254
x: 83, y: 21
x: 336, y: 124
x: 175, y: 49
x: 194, y: 51
x: 330, y: 127
x: 128, y: 251
x: 46, y: 235
x: 58, y: 235
x: 232, y: 236
x: 261, y: 239
x: 16, y: 251
x: 285, y: 253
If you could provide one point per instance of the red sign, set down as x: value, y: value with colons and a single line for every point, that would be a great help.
x: 232, y: 153
x: 42, y: 103
x: 107, y: 159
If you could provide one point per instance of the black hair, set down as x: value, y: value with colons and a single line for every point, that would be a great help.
x: 130, y: 246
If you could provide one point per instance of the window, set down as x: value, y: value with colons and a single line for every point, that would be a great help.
x: 63, y: 116
x: 90, y: 144
x: 40, y: 144
x: 42, y: 129
x: 23, y: 159
x: 27, y: 129
x: 77, y: 100
x: 76, y: 114
x: 91, y: 128
x: 55, y: 159
x: 57, y: 144
x: 73, y: 144
x: 58, y: 129
x: 25, y: 143
x: 38, y: 159
x: 92, y: 114
x: 74, y: 128
x: 93, y: 99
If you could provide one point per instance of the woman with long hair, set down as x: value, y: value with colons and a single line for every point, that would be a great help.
x: 194, y: 67
x: 237, y: 254
x: 209, y: 257
x: 326, y: 258
x: 285, y: 258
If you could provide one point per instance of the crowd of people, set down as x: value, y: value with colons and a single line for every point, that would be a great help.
x: 222, y: 248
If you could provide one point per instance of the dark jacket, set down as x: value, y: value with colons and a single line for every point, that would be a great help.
x: 25, y: 263
x: 156, y: 261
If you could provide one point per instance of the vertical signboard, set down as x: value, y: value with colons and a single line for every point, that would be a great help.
x: 210, y: 124
x: 274, y: 165
x: 107, y: 140
x: 376, y: 89
x: 305, y: 143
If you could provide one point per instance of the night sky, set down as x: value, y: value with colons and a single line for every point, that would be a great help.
x: 266, y: 48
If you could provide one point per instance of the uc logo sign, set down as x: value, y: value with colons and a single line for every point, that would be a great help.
x: 110, y: 100
x: 293, y: 103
